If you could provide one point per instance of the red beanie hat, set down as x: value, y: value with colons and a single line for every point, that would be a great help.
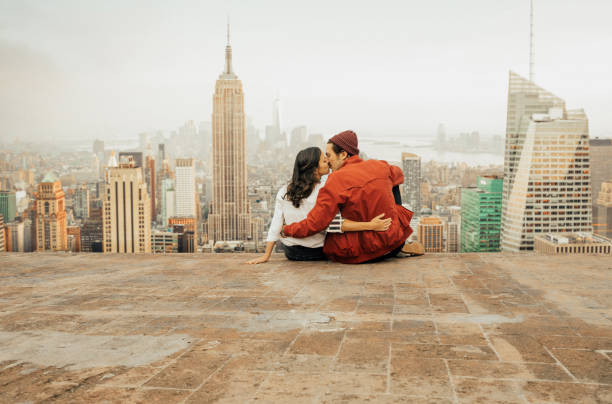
x: 346, y: 140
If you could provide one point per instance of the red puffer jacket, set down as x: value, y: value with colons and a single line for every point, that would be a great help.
x: 361, y: 190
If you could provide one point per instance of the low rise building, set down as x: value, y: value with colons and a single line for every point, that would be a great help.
x: 572, y: 243
x: 164, y: 242
x: 431, y: 234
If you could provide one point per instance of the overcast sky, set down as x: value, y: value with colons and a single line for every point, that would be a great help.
x: 111, y: 69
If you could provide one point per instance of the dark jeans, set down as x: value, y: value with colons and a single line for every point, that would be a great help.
x: 398, y: 201
x: 301, y: 253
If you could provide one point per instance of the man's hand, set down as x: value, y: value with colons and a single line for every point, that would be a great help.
x: 380, y: 224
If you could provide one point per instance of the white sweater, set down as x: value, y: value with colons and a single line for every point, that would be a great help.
x: 284, y: 211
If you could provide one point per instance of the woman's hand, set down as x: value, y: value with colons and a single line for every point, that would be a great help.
x: 258, y: 260
x: 264, y: 258
x: 380, y: 224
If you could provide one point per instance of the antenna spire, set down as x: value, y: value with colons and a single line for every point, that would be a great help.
x: 228, y: 30
x: 531, y: 44
x: 228, y: 52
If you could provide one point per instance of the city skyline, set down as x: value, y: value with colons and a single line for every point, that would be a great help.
x: 128, y: 71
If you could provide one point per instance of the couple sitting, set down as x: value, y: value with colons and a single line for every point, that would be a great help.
x: 355, y: 216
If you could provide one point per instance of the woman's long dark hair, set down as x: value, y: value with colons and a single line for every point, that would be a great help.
x: 304, y: 179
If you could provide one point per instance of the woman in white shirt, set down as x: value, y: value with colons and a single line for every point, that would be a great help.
x: 296, y: 199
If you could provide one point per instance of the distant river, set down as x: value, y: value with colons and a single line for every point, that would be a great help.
x: 392, y: 151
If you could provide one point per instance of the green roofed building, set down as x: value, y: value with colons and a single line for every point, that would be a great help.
x: 481, y: 208
x: 8, y: 205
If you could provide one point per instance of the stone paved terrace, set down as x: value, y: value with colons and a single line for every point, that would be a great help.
x: 511, y: 328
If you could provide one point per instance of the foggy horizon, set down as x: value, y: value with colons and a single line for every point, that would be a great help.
x: 85, y: 70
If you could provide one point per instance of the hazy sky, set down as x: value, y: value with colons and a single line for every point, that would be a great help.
x: 85, y: 69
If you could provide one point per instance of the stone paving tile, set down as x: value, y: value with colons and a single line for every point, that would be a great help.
x: 378, y: 299
x: 380, y: 398
x: 520, y: 348
x: 460, y: 334
x: 375, y: 309
x: 228, y: 387
x: 587, y: 366
x: 548, y: 392
x: 317, y: 343
x: 396, y: 336
x: 309, y: 386
x: 303, y: 363
x: 589, y: 330
x: 447, y: 303
x: 189, y: 371
x: 363, y: 354
x: 321, y: 383
x: 368, y: 326
x: 507, y: 370
x: 414, y: 327
x: 469, y: 352
x: 345, y: 304
x: 419, y: 376
x: 592, y: 343
x: 484, y: 303
x: 540, y: 325
x: 479, y: 391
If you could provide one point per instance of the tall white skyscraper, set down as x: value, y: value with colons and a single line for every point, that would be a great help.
x: 546, y: 167
x: 230, y: 212
x: 185, y: 188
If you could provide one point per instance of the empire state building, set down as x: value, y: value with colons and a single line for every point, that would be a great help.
x: 230, y: 216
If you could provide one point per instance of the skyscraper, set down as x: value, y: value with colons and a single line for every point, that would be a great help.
x: 80, y: 202
x: 8, y: 205
x: 126, y: 211
x: 453, y: 243
x: 481, y: 215
x: 15, y: 232
x: 604, y: 210
x: 2, y: 234
x: 92, y: 235
x: 230, y: 217
x: 168, y: 198
x: 50, y: 216
x: 411, y: 166
x: 546, y: 167
x: 185, y: 188
x: 601, y: 170
x: 151, y: 184
x: 161, y: 154
x: 92, y: 229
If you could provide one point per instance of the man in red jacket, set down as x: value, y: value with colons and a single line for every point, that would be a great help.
x: 361, y: 190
